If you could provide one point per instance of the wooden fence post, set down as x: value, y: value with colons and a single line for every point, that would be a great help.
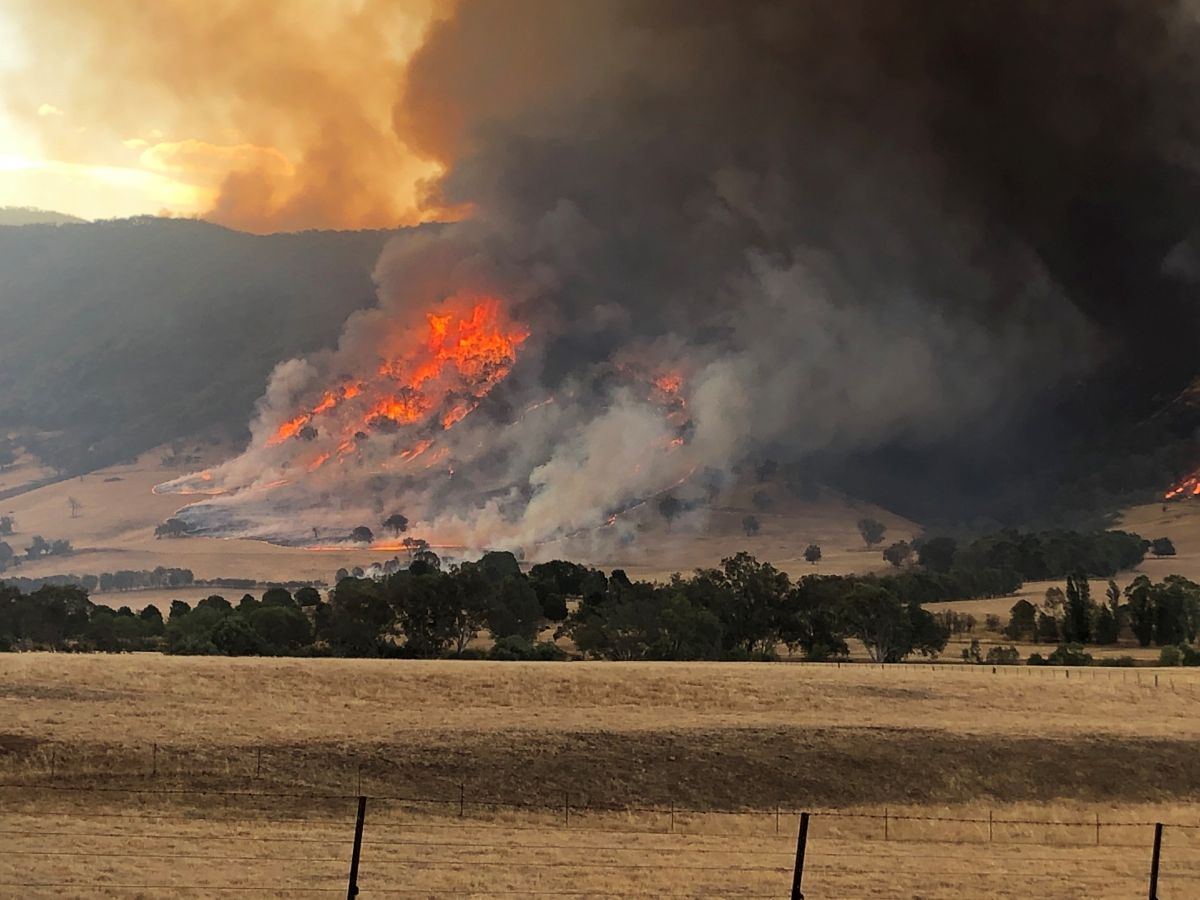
x: 1154, y: 861
x: 801, y: 846
x: 352, y: 887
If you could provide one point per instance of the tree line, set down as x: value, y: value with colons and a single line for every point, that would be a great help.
x: 742, y: 609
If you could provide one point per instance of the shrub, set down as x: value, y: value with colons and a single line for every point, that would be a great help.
x: 1170, y: 656
x: 516, y: 648
x: 1003, y: 656
x: 1069, y: 655
x: 1117, y: 662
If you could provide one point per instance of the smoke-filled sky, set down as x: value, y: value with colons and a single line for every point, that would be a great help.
x: 841, y: 227
x: 257, y: 114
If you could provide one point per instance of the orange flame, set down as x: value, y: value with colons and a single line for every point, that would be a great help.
x: 1188, y: 487
x: 467, y: 348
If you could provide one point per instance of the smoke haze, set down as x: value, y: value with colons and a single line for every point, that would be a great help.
x: 277, y: 115
x: 840, y: 226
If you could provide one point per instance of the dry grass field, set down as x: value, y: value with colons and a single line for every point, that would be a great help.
x: 114, y: 530
x: 560, y: 778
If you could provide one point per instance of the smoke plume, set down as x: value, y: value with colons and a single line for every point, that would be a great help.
x: 278, y: 115
x: 730, y: 229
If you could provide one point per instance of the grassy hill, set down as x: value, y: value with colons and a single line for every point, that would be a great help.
x: 119, y: 336
x: 28, y: 215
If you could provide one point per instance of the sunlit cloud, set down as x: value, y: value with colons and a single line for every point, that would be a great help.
x: 49, y: 109
x: 96, y: 191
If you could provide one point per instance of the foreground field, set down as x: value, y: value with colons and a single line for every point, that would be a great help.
x: 159, y: 776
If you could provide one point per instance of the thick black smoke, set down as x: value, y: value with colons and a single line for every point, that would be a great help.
x: 901, y: 233
x: 907, y: 221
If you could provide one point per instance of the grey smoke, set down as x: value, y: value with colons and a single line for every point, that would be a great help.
x: 847, y: 225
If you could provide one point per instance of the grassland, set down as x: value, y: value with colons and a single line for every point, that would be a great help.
x: 725, y: 745
x: 114, y: 530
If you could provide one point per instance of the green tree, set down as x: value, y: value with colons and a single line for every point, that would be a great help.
x: 426, y: 608
x: 1022, y: 621
x: 153, y: 619
x: 358, y: 617
x: 872, y: 531
x: 812, y: 553
x: 1047, y: 629
x: 308, y: 596
x: 278, y: 596
x: 750, y: 526
x: 813, y: 621
x: 233, y: 636
x: 281, y: 628
x: 362, y: 535
x: 7, y: 556
x: 1077, y: 622
x: 937, y: 554
x: 396, y: 524
x: 515, y: 610
x: 753, y: 602
x: 1140, y: 607
x: 890, y: 629
x: 898, y: 554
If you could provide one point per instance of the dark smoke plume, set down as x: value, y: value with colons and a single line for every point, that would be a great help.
x: 848, y: 226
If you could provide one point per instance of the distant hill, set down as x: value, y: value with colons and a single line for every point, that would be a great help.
x: 28, y: 215
x: 119, y: 336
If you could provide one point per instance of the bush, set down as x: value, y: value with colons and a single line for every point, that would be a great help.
x: 1117, y: 662
x: 1170, y: 656
x: 515, y: 648
x: 1003, y: 656
x: 192, y: 645
x: 1069, y: 655
x: 1036, y: 659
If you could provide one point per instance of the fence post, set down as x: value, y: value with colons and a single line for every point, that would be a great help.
x: 53, y: 759
x: 566, y: 809
x: 462, y: 800
x: 989, y: 826
x: 352, y: 888
x: 885, y: 823
x: 258, y: 764
x: 154, y: 764
x: 801, y: 845
x: 1154, y: 861
x: 777, y: 818
x: 1097, y: 829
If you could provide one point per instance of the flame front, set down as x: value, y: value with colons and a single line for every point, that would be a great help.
x: 436, y: 377
x: 1188, y: 487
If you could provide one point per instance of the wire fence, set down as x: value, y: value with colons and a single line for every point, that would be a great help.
x: 113, y: 841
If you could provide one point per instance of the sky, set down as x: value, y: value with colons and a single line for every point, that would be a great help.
x: 30, y: 176
x: 263, y: 116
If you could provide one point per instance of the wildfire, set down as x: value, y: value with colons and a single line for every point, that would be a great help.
x: 443, y: 370
x: 1188, y: 487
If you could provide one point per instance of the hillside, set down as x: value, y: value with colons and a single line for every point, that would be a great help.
x: 27, y: 215
x: 119, y: 336
x: 114, y: 529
